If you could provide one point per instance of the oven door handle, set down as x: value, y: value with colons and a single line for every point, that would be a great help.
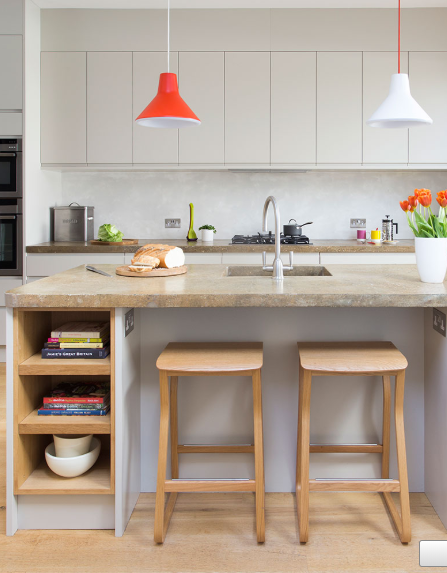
x: 7, y: 154
x: 7, y: 217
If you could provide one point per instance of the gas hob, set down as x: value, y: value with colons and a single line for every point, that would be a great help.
x: 268, y: 239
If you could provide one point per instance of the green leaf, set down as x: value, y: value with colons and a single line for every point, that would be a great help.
x: 110, y: 234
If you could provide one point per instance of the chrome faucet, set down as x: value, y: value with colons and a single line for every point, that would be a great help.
x: 278, y: 266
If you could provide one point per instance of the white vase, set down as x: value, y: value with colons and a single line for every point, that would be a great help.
x: 207, y: 235
x: 431, y: 259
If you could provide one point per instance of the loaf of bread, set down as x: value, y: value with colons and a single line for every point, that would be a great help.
x: 169, y: 257
x: 143, y: 263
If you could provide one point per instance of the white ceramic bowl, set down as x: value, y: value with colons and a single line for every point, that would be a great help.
x: 72, y: 467
x: 69, y: 446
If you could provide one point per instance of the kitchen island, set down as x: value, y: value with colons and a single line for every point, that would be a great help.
x: 336, y: 302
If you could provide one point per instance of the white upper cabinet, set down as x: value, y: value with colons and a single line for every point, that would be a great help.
x: 11, y: 17
x: 247, y: 107
x: 201, y: 80
x: 293, y: 109
x: 63, y: 110
x: 151, y: 145
x: 109, y: 107
x: 10, y: 72
x: 428, y: 81
x: 381, y: 145
x: 339, y: 107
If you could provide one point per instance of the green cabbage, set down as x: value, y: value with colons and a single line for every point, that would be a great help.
x: 109, y: 233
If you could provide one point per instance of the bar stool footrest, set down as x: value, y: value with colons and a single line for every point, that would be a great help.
x: 210, y: 485
x: 215, y: 449
x: 346, y: 448
x: 361, y: 485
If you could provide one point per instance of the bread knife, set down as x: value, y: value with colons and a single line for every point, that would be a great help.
x: 93, y: 269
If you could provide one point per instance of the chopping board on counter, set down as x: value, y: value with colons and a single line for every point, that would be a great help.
x: 123, y: 242
x: 125, y: 272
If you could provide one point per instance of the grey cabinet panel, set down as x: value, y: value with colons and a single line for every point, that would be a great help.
x: 11, y: 72
x: 381, y: 145
x: 247, y: 107
x: 293, y: 110
x: 151, y: 145
x: 63, y: 107
x: 428, y: 81
x: 339, y: 107
x: 201, y: 79
x: 10, y: 124
x: 11, y: 17
x: 109, y: 107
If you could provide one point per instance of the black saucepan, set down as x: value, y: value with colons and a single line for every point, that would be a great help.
x: 294, y: 230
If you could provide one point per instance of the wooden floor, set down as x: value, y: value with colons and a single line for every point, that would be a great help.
x: 216, y: 533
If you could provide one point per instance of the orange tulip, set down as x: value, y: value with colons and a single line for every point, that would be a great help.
x: 413, y: 200
x: 424, y: 197
x: 442, y: 198
x: 405, y: 206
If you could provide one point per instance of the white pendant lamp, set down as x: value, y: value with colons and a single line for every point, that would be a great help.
x: 167, y: 109
x: 399, y: 109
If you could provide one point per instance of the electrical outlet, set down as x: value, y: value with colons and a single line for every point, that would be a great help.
x: 129, y: 322
x: 358, y: 223
x: 172, y: 223
x: 439, y: 323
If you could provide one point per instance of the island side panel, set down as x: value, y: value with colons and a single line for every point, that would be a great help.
x: 127, y: 419
x: 219, y: 410
x: 435, y: 416
x: 11, y: 499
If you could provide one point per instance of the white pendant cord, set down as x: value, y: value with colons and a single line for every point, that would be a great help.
x: 168, y: 31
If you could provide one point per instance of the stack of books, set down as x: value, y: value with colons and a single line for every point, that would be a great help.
x: 79, y: 340
x: 77, y: 399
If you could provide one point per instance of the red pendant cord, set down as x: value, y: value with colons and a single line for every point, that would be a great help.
x: 399, y: 41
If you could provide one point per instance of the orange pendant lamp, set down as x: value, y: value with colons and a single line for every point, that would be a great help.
x: 167, y: 109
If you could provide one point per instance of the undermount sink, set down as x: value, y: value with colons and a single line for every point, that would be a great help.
x: 298, y: 271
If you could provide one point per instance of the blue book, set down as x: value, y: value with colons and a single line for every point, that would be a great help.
x: 75, y: 352
x: 78, y: 412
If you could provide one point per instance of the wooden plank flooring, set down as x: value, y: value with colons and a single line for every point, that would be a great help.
x: 349, y: 532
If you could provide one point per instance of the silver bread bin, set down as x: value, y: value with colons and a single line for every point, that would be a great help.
x: 73, y: 223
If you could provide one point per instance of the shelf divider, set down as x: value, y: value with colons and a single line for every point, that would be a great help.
x: 35, y: 424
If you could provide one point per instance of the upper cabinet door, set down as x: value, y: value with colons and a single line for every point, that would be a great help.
x: 63, y: 112
x: 11, y: 17
x: 11, y: 72
x: 339, y: 107
x: 428, y: 80
x: 201, y: 80
x: 109, y: 107
x: 247, y: 107
x: 381, y: 145
x: 294, y: 110
x: 151, y: 145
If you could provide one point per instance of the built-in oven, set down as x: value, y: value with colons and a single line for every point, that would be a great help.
x: 11, y: 237
x: 11, y: 179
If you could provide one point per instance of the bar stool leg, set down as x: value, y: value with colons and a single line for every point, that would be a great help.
x: 174, y: 428
x: 159, y: 524
x: 405, y: 532
x: 386, y: 427
x: 302, y: 457
x: 259, y: 457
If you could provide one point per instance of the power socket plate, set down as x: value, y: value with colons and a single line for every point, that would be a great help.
x: 358, y: 223
x: 439, y: 321
x: 172, y: 223
x: 129, y: 322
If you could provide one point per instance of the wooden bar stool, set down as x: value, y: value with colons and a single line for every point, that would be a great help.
x: 206, y: 359
x: 354, y: 359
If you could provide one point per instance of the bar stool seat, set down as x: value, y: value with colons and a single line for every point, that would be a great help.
x: 210, y: 358
x: 206, y: 359
x: 354, y: 359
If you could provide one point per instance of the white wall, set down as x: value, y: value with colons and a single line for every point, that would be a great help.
x: 41, y: 188
x: 344, y: 410
x: 138, y: 203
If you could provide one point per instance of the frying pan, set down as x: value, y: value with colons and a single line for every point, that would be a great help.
x: 294, y: 230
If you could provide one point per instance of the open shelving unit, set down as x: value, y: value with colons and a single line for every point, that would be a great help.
x: 33, y: 378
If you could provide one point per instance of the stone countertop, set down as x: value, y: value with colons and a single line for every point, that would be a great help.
x: 208, y: 286
x: 224, y: 246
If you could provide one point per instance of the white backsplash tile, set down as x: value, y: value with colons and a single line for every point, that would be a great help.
x: 139, y: 202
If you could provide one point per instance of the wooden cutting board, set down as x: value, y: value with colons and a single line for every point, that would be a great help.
x: 125, y: 272
x: 123, y: 242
